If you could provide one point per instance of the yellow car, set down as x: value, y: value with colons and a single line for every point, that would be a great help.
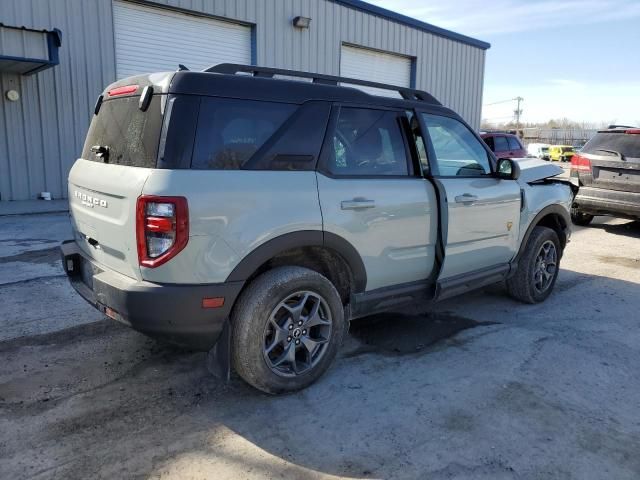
x: 561, y: 153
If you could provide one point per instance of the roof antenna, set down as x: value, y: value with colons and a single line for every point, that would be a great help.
x: 181, y: 67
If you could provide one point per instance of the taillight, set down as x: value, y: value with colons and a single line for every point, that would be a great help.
x: 633, y: 131
x: 124, y: 90
x: 580, y: 164
x: 162, y: 228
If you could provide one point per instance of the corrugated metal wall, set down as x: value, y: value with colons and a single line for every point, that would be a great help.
x: 42, y: 134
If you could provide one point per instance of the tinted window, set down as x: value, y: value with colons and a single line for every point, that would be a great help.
x: 231, y: 131
x: 130, y: 135
x: 489, y: 142
x: 367, y: 142
x: 501, y: 144
x: 458, y: 151
x: 628, y: 144
x: 514, y: 144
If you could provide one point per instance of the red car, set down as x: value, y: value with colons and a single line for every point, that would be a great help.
x: 504, y: 145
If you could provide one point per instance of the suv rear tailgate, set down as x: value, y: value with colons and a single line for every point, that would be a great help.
x: 614, y: 174
x: 102, y: 202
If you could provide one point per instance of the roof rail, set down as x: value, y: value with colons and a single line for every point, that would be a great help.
x: 268, y: 72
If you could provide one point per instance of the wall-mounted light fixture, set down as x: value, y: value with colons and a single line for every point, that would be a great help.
x: 301, y: 22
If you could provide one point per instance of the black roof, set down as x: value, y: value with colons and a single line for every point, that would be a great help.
x: 261, y: 84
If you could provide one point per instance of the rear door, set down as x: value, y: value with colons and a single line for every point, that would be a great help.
x: 515, y: 148
x: 481, y: 221
x: 371, y: 197
x: 615, y: 160
x: 120, y: 150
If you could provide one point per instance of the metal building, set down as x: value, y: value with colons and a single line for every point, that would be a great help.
x: 45, y: 107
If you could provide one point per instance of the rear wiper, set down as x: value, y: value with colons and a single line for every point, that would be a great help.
x: 102, y: 152
x: 614, y: 152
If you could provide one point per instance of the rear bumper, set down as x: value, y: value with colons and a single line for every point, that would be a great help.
x: 169, y: 312
x: 600, y: 201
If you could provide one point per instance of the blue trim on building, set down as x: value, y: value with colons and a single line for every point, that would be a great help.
x: 412, y: 22
x: 254, y: 45
x: 412, y: 80
x: 54, y: 41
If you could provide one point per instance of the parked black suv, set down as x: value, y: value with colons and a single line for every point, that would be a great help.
x: 607, y: 170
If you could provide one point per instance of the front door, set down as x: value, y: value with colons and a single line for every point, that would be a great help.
x: 371, y: 197
x: 482, y: 217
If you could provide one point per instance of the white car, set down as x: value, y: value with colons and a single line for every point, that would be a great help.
x: 540, y: 150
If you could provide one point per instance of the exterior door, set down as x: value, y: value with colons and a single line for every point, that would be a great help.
x: 370, y: 196
x: 156, y: 39
x: 482, y: 214
x: 375, y: 66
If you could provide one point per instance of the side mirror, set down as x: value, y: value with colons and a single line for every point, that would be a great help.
x: 508, y: 169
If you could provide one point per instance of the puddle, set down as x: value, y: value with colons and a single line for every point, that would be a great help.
x: 400, y: 334
x: 47, y: 255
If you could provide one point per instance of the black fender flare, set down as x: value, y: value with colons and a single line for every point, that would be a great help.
x: 305, y: 238
x: 554, y: 209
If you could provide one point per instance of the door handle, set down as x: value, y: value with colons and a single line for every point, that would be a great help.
x: 466, y: 198
x: 357, y: 204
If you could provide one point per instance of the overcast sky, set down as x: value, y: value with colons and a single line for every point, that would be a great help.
x: 567, y: 58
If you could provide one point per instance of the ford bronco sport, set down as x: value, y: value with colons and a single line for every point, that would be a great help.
x: 252, y: 216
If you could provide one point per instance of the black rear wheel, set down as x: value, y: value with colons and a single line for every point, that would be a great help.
x: 286, y: 329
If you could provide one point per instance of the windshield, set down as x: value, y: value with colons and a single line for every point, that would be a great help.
x: 567, y: 149
x: 626, y: 143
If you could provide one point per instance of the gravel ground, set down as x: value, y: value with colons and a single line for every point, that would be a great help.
x: 479, y: 387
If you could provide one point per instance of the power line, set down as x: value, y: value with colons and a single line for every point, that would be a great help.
x: 500, y: 101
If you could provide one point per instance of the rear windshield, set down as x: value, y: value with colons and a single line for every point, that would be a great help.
x: 129, y: 135
x: 625, y: 143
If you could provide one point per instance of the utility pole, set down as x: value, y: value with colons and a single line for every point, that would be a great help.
x: 518, y: 112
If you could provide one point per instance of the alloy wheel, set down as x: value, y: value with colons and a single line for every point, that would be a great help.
x: 297, y: 334
x: 545, y: 266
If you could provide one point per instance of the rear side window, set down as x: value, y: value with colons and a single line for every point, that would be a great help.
x: 367, y: 142
x: 501, y: 144
x: 129, y: 135
x: 231, y: 131
x: 514, y: 144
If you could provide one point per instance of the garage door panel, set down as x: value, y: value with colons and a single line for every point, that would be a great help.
x: 375, y: 66
x: 150, y: 39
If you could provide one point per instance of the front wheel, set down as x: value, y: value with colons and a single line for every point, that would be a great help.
x: 286, y: 329
x: 538, y: 267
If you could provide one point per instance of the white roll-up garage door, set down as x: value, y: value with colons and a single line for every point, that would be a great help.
x: 150, y: 39
x: 375, y: 66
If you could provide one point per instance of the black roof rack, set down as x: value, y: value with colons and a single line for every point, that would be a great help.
x: 620, y: 126
x: 268, y: 72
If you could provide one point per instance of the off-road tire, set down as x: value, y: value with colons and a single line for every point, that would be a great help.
x: 521, y: 285
x: 251, y: 315
x: 579, y: 218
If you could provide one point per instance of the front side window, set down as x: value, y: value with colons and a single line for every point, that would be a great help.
x: 458, y: 152
x: 367, y: 142
x: 230, y: 131
x: 490, y: 144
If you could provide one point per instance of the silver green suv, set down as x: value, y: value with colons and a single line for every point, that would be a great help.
x: 253, y: 217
